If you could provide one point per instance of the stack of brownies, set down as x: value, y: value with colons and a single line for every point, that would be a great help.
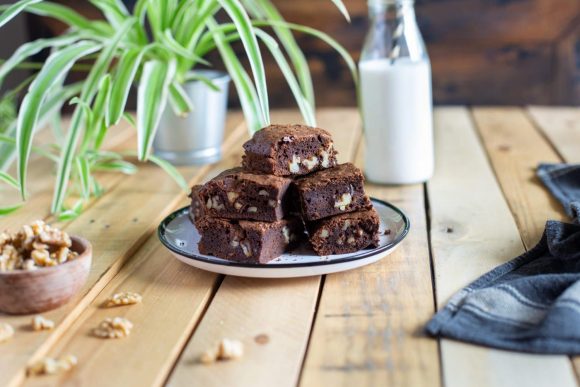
x: 289, y: 181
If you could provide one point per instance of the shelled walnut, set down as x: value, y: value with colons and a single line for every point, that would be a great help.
x: 34, y: 246
x: 113, y: 328
x: 50, y: 366
x: 40, y: 323
x: 123, y: 298
x: 226, y: 349
x: 6, y: 332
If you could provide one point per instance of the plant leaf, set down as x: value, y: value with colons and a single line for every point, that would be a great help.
x: 179, y: 99
x: 320, y: 35
x: 4, y: 211
x: 178, y: 49
x: 244, y: 86
x: 126, y: 71
x: 14, y: 10
x: 116, y: 166
x: 151, y: 101
x: 171, y: 171
x: 101, y: 104
x: 248, y: 37
x: 340, y: 5
x: 265, y: 10
x: 32, y: 48
x: 303, y: 104
x: 6, y: 178
x: 84, y: 171
x: 70, y: 17
x: 58, y: 64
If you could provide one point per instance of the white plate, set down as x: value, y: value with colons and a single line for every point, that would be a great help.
x: 179, y: 235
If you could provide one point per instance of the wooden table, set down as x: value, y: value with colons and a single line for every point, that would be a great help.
x: 363, y: 327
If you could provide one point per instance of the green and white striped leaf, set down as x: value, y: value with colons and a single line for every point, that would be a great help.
x: 14, y: 10
x: 84, y: 172
x: 32, y: 48
x: 248, y: 37
x: 265, y: 10
x: 194, y: 76
x: 171, y: 171
x: 116, y: 166
x: 178, y: 49
x: 58, y: 64
x: 244, y: 86
x: 124, y: 77
x: 70, y: 17
x: 340, y: 5
x: 180, y: 102
x: 5, y: 211
x: 151, y: 101
x: 6, y: 178
x: 303, y: 104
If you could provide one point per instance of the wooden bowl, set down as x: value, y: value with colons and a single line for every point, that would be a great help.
x: 35, y: 291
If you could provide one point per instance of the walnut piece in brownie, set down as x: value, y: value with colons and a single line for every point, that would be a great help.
x: 285, y: 150
x: 345, y: 233
x: 331, y: 191
x: 235, y: 194
x: 248, y: 241
x: 196, y: 209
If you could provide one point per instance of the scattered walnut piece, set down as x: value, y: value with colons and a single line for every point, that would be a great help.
x: 40, y: 323
x: 263, y: 192
x: 50, y: 366
x: 351, y: 240
x: 252, y: 209
x: 6, y: 332
x: 325, y: 154
x: 113, y: 328
x: 226, y: 349
x: 123, y: 298
x: 33, y: 246
x: 324, y: 233
x: 343, y: 201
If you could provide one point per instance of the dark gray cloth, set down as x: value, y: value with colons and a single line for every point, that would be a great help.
x: 531, y: 303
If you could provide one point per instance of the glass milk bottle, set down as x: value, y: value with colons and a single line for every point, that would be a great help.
x: 395, y: 75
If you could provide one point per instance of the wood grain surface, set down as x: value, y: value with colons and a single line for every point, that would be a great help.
x: 363, y: 327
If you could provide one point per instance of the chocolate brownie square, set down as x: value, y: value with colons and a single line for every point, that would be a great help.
x: 331, y: 191
x: 248, y: 241
x: 285, y: 150
x: 196, y: 209
x: 235, y: 194
x: 346, y: 233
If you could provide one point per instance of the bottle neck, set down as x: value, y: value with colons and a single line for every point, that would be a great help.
x: 381, y: 10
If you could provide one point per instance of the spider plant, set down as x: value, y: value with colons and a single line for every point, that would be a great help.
x: 158, y: 45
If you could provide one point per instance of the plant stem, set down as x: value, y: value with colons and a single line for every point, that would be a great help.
x: 38, y: 66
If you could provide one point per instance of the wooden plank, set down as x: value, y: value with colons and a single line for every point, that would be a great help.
x: 515, y: 148
x: 472, y: 231
x: 257, y: 310
x: 562, y: 126
x: 115, y: 238
x: 369, y: 322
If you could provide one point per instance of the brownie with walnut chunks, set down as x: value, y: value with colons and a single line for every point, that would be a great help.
x: 236, y: 194
x: 248, y: 241
x: 196, y: 209
x: 286, y: 150
x: 345, y: 233
x: 331, y: 191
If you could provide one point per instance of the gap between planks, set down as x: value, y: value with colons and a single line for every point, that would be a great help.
x: 114, y: 239
x: 467, y: 241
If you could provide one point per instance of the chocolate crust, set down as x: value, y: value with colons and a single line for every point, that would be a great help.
x: 237, y: 194
x: 289, y: 150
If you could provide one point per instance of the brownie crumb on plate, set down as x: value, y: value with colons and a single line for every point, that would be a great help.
x: 285, y: 150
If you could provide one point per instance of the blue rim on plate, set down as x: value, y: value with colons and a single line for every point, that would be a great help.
x: 162, y: 231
